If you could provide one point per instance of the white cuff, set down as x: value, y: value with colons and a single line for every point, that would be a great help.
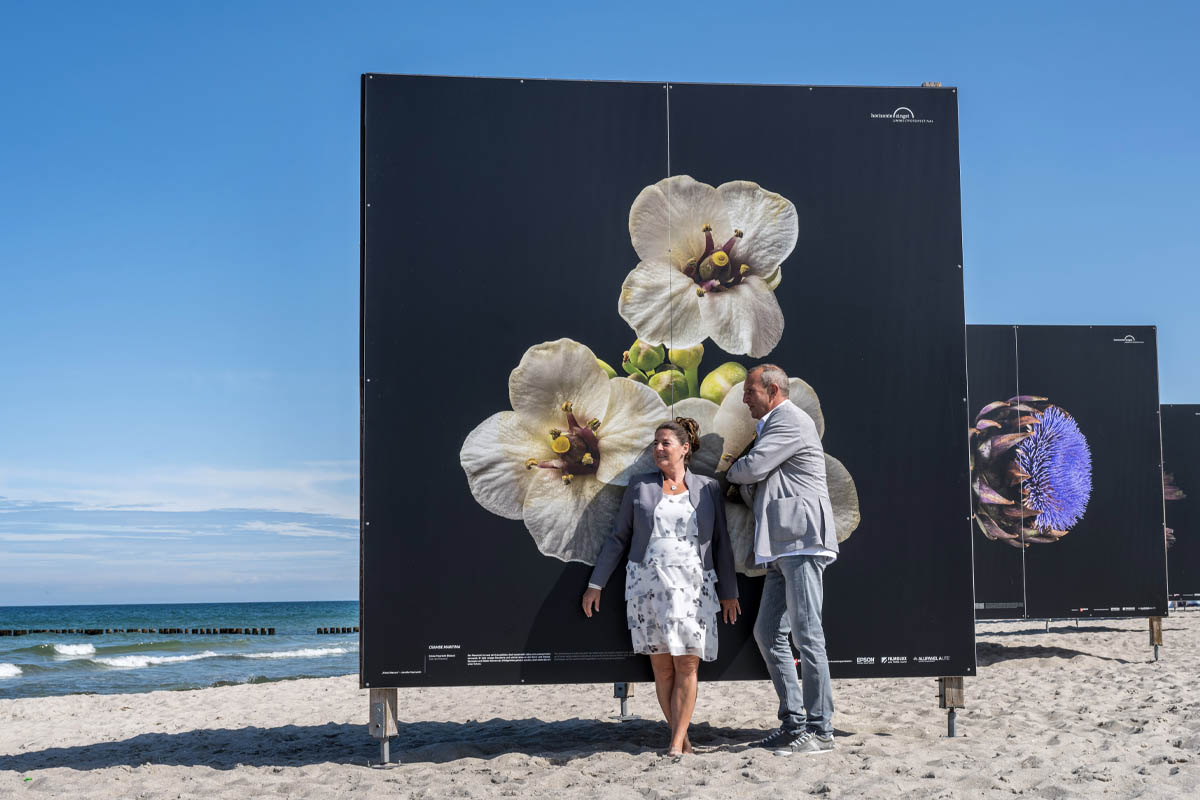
x: 594, y: 586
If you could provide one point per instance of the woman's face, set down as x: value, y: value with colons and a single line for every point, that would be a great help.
x: 668, y: 452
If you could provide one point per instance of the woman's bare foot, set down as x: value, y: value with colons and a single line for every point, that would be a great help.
x: 687, y: 746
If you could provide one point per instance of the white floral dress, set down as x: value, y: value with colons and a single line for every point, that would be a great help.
x: 671, y: 600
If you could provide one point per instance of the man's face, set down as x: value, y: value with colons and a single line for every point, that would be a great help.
x: 755, y: 396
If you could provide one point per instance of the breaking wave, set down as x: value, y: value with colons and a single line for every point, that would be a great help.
x: 307, y: 652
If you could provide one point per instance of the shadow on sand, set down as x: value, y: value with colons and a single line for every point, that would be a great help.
x: 417, y: 742
x: 988, y: 653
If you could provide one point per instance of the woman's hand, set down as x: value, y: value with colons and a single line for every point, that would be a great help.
x: 730, y: 609
x: 591, y: 601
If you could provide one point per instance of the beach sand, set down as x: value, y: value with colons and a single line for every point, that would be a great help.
x: 1075, y: 712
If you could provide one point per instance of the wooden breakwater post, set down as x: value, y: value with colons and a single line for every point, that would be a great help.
x: 160, y: 631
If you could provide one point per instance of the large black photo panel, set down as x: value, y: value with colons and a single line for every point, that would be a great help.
x: 551, y: 268
x: 991, y: 387
x: 1067, y: 471
x: 1181, y: 484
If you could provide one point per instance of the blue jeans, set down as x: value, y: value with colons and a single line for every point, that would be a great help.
x: 791, y: 603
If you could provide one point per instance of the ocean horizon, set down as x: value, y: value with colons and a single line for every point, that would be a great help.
x: 43, y: 664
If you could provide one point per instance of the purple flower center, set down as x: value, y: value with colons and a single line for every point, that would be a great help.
x: 717, y: 269
x: 1059, y: 464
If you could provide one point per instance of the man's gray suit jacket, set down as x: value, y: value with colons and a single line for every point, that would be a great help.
x: 635, y: 523
x: 785, y: 474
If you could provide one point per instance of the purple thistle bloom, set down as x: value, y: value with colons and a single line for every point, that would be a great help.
x: 1059, y: 465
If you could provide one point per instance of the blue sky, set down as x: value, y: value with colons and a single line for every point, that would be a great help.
x: 179, y: 236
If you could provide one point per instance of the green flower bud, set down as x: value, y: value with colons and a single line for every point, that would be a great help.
x: 671, y: 385
x: 637, y: 378
x: 609, y: 371
x: 717, y: 383
x: 687, y: 357
x: 646, y: 357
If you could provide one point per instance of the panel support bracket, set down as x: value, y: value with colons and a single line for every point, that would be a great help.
x: 383, y: 724
x: 951, y: 695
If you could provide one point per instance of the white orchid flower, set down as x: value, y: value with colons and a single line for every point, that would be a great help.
x: 560, y: 458
x: 726, y: 430
x: 710, y: 263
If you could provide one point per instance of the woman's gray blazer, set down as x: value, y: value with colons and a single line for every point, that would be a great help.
x: 635, y: 522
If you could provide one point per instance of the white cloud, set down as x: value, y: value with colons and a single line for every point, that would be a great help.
x: 48, y: 537
x: 294, y: 529
x: 329, y: 488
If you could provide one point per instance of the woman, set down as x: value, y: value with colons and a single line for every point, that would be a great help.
x: 680, y: 562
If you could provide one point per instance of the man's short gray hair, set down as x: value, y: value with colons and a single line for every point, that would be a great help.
x: 771, y: 375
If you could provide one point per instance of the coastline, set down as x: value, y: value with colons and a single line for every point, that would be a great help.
x: 1073, y: 712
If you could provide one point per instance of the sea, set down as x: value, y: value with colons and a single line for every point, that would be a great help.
x: 40, y: 664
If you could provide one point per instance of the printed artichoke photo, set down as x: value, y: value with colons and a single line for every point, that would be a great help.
x: 726, y: 429
x: 560, y: 459
x: 710, y: 261
x: 1031, y: 471
x: 1171, y: 492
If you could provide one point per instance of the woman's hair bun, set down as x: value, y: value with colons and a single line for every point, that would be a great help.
x: 692, y: 428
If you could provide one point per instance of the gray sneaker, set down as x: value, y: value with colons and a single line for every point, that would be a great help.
x: 806, y: 744
x: 778, y: 738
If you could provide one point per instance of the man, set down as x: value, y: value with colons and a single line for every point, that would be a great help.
x: 782, y: 476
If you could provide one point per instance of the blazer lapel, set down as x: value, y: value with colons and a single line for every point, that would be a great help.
x: 693, y: 489
x: 654, y: 491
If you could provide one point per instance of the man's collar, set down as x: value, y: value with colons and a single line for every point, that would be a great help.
x: 762, y: 421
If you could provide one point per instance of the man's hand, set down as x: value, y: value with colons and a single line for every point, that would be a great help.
x: 591, y: 601
x: 730, y: 609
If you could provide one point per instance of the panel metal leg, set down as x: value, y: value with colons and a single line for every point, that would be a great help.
x: 624, y: 691
x: 950, y: 723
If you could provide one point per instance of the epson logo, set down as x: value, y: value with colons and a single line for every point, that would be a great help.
x: 865, y: 660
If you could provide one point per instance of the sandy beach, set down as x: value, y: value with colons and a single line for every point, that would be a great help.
x: 1071, y: 713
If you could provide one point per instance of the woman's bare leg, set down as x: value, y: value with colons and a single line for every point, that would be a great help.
x: 683, y: 702
x: 663, y: 665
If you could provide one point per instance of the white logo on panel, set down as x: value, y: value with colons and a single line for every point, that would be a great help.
x: 902, y: 114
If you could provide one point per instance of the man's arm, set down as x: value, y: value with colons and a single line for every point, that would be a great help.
x: 772, y: 448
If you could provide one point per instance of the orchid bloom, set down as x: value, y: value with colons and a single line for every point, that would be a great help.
x: 710, y: 264
x: 559, y: 459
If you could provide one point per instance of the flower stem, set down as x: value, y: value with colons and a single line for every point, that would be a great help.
x: 693, y: 380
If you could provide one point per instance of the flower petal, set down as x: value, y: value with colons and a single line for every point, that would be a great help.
x: 493, y: 456
x: 550, y: 374
x: 803, y: 395
x: 843, y: 496
x: 627, y: 429
x: 745, y: 319
x: 659, y: 302
x: 739, y: 519
x: 667, y: 219
x: 733, y: 424
x: 706, y: 460
x: 570, y: 521
x: 768, y: 221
